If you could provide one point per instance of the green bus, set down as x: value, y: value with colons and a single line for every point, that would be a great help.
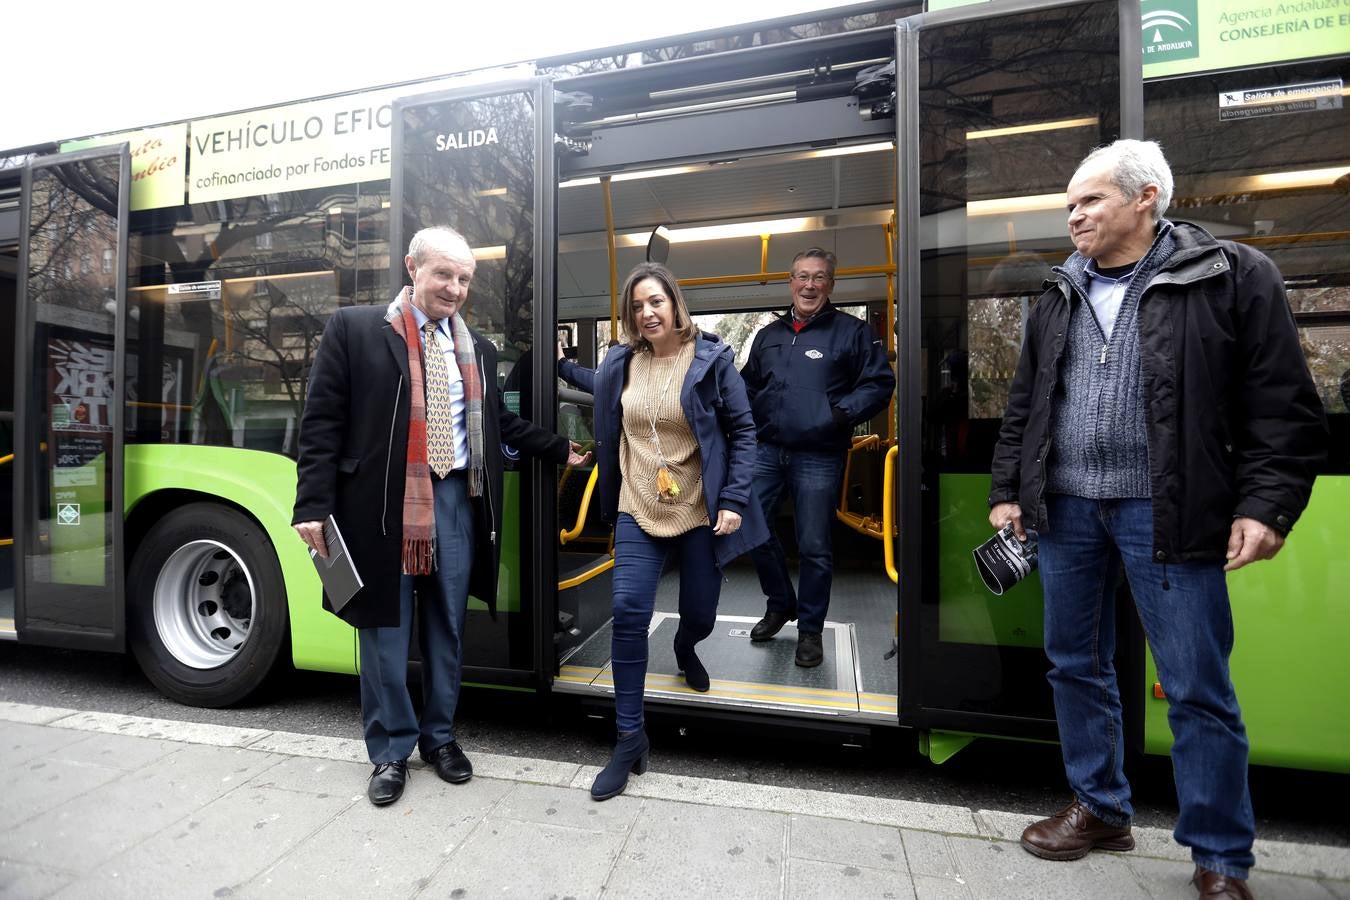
x: 168, y: 286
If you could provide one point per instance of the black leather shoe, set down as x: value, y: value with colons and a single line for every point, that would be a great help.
x: 387, y: 781
x: 450, y: 763
x: 809, y: 650
x: 690, y: 665
x: 771, y: 624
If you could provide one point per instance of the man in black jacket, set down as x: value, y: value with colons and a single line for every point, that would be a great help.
x: 401, y: 442
x: 812, y: 375
x: 1162, y: 421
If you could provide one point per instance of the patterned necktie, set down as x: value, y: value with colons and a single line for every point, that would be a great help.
x: 440, y: 434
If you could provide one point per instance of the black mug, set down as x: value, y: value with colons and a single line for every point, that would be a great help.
x: 1003, y: 560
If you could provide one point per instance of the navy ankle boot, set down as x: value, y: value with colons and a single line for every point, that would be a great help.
x: 630, y: 755
x: 695, y: 675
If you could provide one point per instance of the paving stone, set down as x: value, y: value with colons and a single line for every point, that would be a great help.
x: 112, y: 818
x: 30, y: 714
x: 849, y: 843
x: 810, y: 879
x: 1302, y: 859
x: 313, y: 745
x: 323, y: 776
x: 214, y: 850
x: 42, y: 784
x: 1167, y: 879
x: 392, y: 851
x: 23, y: 880
x: 509, y: 858
x: 547, y: 805
x: 1004, y: 870
x: 933, y: 887
x: 681, y: 850
x: 930, y: 854
x: 116, y: 751
x: 20, y: 742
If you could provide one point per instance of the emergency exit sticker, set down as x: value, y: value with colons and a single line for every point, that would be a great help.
x: 67, y: 514
x: 1281, y: 99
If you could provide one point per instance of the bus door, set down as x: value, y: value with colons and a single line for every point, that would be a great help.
x: 996, y: 111
x: 724, y: 167
x: 69, y: 399
x: 480, y: 160
x: 11, y: 192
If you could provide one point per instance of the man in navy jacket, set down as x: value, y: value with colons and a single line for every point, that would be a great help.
x: 812, y: 376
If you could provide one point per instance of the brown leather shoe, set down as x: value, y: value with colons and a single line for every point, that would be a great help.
x: 1212, y: 884
x: 1071, y: 833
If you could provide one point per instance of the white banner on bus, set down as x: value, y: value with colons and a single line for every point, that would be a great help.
x: 339, y: 140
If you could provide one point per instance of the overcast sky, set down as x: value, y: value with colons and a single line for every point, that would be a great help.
x: 73, y: 69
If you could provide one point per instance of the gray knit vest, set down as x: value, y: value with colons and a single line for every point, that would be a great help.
x: 1100, y: 429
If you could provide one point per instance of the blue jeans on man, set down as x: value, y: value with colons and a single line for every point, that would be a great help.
x: 392, y: 728
x: 812, y: 479
x: 1189, y: 626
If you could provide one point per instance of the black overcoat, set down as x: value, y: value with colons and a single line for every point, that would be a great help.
x: 353, y: 457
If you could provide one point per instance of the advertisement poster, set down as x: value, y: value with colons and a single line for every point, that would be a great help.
x: 79, y: 388
x: 158, y: 163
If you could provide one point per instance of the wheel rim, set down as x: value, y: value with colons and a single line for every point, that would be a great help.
x: 204, y: 603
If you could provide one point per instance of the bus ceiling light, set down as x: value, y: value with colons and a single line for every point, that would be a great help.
x: 492, y: 192
x: 631, y: 176
x: 733, y: 230
x: 849, y: 151
x: 494, y: 251
x: 1006, y: 205
x: 1301, y: 178
x: 1056, y: 125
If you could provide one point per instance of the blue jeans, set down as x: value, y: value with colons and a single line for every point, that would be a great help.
x: 812, y: 476
x: 392, y: 728
x: 639, y: 560
x: 1189, y: 626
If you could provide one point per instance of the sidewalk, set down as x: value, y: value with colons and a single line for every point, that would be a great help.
x: 103, y: 805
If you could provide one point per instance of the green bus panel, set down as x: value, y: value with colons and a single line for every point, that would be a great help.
x: 968, y: 612
x: 1290, y: 663
x: 263, y: 485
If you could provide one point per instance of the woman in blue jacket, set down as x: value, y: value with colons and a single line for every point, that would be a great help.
x: 675, y: 443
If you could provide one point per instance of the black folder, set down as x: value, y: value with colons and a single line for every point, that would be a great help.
x: 338, y: 573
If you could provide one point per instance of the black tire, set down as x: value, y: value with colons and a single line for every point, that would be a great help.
x: 206, y: 606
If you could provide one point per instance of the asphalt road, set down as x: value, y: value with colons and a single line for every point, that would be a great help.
x: 1290, y: 806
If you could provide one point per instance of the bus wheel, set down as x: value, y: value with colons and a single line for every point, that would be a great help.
x: 206, y: 601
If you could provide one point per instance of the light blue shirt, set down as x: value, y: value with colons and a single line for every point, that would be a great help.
x: 1106, y: 294
x: 457, y: 423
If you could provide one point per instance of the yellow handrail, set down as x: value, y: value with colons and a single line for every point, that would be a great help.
x: 571, y: 534
x: 863, y: 524
x: 588, y: 574
x: 6, y: 459
x: 613, y: 261
x: 888, y: 512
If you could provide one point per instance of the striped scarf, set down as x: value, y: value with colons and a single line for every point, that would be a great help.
x: 419, y: 506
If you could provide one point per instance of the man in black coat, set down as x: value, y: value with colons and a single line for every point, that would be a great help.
x: 401, y: 441
x: 1162, y: 421
x: 812, y: 375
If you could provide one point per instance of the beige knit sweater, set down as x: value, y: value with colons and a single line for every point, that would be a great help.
x: 653, y: 390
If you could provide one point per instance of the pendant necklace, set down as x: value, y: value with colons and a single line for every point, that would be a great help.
x: 667, y: 491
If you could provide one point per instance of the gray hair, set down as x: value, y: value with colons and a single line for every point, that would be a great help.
x: 818, y: 253
x: 1137, y: 165
x: 437, y: 239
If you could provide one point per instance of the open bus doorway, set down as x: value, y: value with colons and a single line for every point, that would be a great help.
x: 740, y: 222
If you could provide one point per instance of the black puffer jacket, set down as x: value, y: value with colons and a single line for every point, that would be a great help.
x: 1235, y: 426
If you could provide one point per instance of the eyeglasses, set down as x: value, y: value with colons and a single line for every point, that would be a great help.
x: 818, y: 278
